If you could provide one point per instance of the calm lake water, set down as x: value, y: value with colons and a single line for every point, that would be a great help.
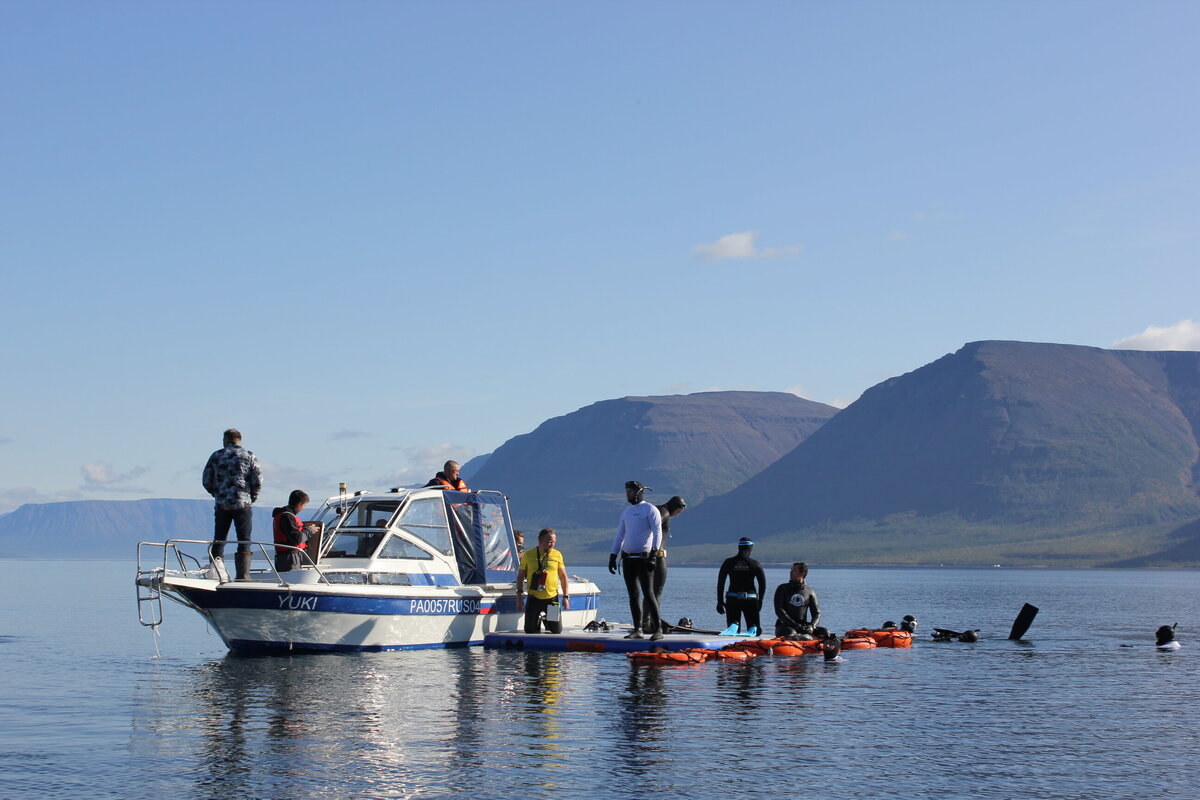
x: 87, y: 710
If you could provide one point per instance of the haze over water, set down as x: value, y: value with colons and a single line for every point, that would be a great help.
x: 88, y: 711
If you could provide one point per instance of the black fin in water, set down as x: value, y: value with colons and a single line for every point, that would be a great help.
x: 1023, y: 621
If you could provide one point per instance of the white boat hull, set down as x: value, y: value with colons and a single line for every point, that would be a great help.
x: 257, y: 617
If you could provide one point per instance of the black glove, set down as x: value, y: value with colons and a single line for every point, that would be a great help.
x: 651, y: 563
x: 612, y: 563
x: 720, y: 607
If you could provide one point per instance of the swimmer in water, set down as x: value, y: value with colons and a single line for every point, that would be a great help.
x: 1164, y: 638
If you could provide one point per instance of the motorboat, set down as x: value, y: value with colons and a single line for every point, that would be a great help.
x: 403, y: 569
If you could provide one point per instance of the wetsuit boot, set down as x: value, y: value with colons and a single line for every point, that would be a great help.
x: 242, y: 563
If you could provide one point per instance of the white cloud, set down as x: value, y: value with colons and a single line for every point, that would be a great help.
x: 799, y: 391
x: 1184, y: 335
x: 423, y: 462
x: 741, y: 246
x: 101, y: 475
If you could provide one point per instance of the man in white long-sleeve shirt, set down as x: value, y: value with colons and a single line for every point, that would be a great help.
x: 638, y: 540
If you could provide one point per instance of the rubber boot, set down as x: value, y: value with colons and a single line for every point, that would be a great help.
x: 242, y: 563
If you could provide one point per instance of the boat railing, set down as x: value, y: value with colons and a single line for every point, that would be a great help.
x: 159, y: 560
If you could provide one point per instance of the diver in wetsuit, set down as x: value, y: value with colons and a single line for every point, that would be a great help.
x: 638, y: 540
x: 747, y: 585
x: 672, y: 508
x: 796, y: 609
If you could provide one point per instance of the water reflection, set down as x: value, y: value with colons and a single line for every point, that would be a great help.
x: 741, y: 684
x: 233, y: 696
x: 511, y: 724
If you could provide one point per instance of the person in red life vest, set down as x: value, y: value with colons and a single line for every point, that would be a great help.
x: 290, y: 530
x: 448, y: 478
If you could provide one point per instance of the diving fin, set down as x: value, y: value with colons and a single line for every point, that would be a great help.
x: 1023, y: 621
x: 732, y: 630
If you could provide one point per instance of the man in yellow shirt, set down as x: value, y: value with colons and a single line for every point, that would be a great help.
x: 542, y: 569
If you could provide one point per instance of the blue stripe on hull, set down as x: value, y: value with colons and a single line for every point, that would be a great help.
x: 357, y: 604
x: 247, y: 647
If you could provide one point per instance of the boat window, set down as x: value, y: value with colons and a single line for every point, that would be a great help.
x: 425, y: 518
x: 354, y: 544
x: 389, y: 579
x: 483, y: 541
x: 372, y: 514
x: 330, y: 515
x: 398, y: 547
x: 345, y: 577
x: 496, y: 539
x: 497, y: 550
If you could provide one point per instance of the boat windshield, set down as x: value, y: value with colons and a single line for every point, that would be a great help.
x: 371, y: 514
x: 425, y: 518
x: 399, y: 547
x: 349, y: 541
x: 355, y: 544
x: 330, y: 514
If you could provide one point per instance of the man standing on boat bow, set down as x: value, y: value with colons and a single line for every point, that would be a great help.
x: 638, y: 540
x: 232, y: 476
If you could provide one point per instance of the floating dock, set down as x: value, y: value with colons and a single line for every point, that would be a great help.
x: 604, y: 642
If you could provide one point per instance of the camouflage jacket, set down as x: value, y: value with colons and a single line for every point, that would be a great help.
x: 232, y: 476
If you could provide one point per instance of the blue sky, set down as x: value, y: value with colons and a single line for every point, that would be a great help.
x: 373, y: 235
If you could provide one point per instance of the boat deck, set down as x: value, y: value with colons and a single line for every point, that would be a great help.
x: 604, y: 642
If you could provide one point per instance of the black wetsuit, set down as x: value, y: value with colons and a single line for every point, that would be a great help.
x: 659, y: 578
x: 796, y: 609
x: 747, y: 585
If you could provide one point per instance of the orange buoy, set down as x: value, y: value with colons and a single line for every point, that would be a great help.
x: 858, y: 643
x: 756, y: 646
x: 892, y: 638
x: 789, y: 649
x: 735, y: 655
x: 668, y: 657
x: 700, y: 653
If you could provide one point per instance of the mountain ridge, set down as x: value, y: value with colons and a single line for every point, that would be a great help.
x: 570, y: 471
x: 1047, y: 440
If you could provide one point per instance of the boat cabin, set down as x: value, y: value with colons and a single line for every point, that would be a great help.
x: 430, y: 537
